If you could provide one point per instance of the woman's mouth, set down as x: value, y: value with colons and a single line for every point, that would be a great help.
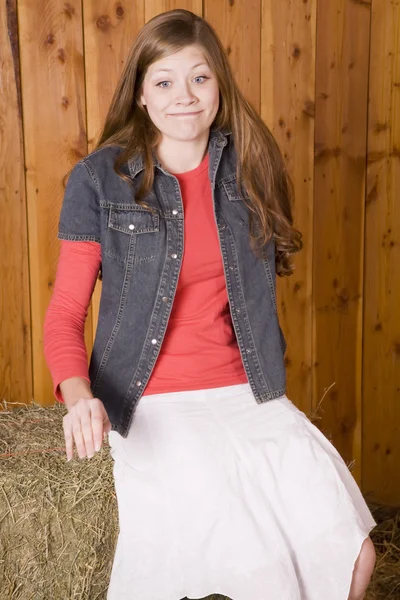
x: 188, y: 114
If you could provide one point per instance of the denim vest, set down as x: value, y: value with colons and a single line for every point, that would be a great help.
x: 141, y: 261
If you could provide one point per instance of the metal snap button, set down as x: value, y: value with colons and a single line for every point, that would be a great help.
x: 138, y: 383
x: 165, y: 299
x: 131, y: 226
x: 174, y: 212
x: 154, y: 341
x: 174, y: 255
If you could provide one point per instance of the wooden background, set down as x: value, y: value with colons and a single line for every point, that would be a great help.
x: 325, y: 75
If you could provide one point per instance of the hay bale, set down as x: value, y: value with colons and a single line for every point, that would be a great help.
x: 59, y: 520
x: 385, y: 583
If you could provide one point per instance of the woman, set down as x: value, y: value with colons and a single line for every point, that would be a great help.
x: 223, y: 485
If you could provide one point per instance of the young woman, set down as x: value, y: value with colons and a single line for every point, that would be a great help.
x: 223, y: 485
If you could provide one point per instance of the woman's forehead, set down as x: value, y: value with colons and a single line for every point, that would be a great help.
x: 190, y: 58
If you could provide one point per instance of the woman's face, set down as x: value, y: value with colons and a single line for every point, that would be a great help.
x: 181, y: 94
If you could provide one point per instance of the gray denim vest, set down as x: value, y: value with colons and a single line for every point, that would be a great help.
x: 141, y: 261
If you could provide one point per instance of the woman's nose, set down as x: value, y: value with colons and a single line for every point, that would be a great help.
x: 185, y: 95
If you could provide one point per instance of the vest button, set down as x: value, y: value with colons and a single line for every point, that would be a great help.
x: 174, y: 255
x: 174, y: 212
x: 165, y: 299
x: 138, y: 383
x: 154, y: 341
x: 131, y: 226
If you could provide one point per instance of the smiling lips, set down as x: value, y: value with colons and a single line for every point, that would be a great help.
x: 190, y: 114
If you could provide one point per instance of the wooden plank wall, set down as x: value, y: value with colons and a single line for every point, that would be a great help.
x: 15, y: 309
x: 288, y: 106
x: 308, y: 67
x: 338, y: 234
x: 54, y: 131
x: 381, y: 326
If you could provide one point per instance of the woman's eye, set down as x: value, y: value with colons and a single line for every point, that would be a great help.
x: 201, y: 77
x: 161, y: 83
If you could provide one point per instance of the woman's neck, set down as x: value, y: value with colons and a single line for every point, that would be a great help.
x: 179, y: 156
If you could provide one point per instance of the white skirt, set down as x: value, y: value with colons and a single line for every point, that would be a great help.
x: 220, y: 495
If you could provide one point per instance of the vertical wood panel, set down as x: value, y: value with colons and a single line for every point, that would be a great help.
x: 381, y: 373
x: 15, y: 339
x: 238, y: 26
x: 287, y: 84
x: 53, y: 98
x: 155, y: 7
x: 343, y: 31
x: 109, y: 31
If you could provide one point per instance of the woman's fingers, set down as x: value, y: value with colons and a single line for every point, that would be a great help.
x: 69, y: 442
x: 85, y: 423
x: 82, y: 429
x: 97, y: 411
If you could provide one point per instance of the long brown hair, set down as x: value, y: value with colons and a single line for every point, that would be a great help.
x: 260, y: 166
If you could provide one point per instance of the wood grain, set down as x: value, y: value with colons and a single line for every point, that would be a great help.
x: 15, y: 336
x: 343, y: 40
x: 381, y: 348
x: 238, y: 26
x: 53, y: 100
x: 287, y: 107
x: 155, y: 7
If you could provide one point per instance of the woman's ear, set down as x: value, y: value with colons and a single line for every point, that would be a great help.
x: 142, y: 100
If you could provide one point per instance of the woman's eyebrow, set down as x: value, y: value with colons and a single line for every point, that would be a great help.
x: 194, y: 66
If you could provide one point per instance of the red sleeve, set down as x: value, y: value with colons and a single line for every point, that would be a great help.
x: 64, y: 342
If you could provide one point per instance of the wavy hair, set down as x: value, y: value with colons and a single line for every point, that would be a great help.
x: 260, y: 167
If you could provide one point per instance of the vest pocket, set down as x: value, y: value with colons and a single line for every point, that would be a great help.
x: 132, y: 222
x: 126, y: 226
